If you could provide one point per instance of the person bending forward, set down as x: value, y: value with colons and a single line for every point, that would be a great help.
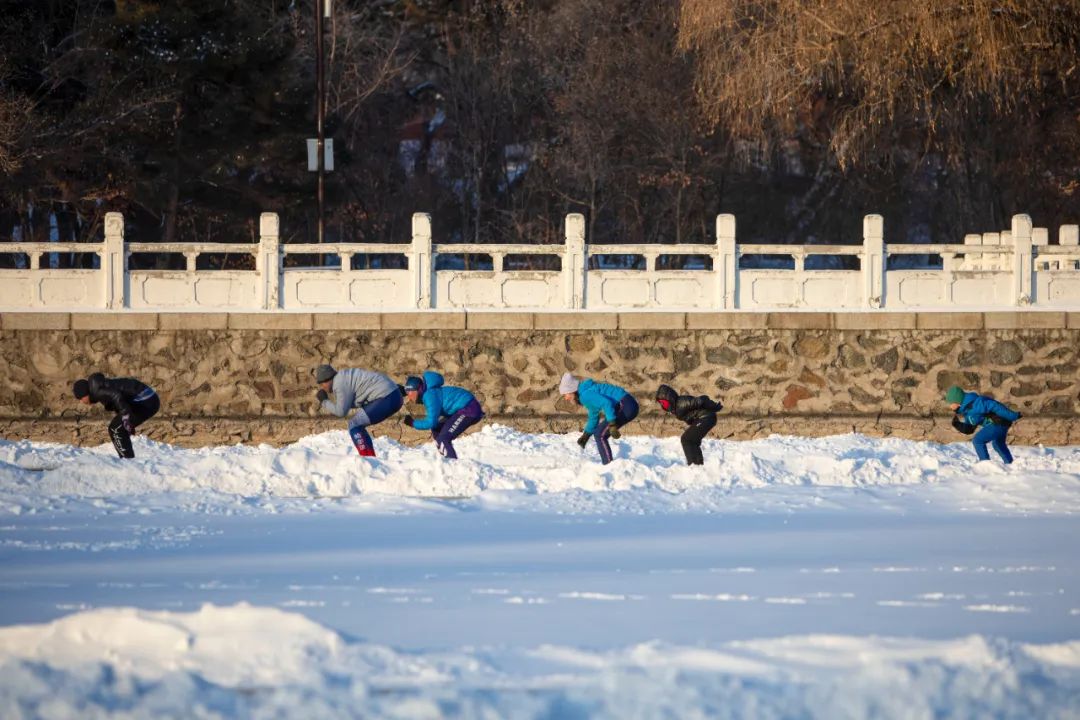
x: 450, y: 410
x: 133, y: 401
x: 697, y: 412
x: 374, y: 395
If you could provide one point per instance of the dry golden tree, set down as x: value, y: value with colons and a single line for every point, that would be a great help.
x: 870, y: 71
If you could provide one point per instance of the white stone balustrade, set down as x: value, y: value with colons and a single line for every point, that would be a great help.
x: 1013, y: 268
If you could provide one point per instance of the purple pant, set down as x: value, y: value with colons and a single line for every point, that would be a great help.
x: 625, y: 411
x: 445, y: 432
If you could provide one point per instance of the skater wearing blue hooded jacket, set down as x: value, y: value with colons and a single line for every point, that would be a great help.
x: 972, y: 410
x: 450, y: 410
x: 617, y: 406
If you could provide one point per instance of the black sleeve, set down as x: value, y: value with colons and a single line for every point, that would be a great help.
x: 687, y: 406
x: 104, y: 392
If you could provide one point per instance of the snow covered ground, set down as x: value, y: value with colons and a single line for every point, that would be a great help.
x: 789, y: 577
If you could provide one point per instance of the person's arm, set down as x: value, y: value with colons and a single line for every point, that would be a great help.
x: 433, y: 408
x: 607, y: 406
x: 344, y: 396
x: 1001, y: 410
x: 594, y: 418
x: 106, y: 394
x: 691, y: 404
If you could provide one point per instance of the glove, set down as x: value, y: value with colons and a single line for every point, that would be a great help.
x: 613, y: 431
x: 962, y: 425
x: 128, y: 427
x: 718, y: 406
x: 401, y: 389
x: 584, y: 439
x: 322, y: 395
x: 408, y: 420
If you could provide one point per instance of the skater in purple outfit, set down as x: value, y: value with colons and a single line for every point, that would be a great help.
x: 450, y: 410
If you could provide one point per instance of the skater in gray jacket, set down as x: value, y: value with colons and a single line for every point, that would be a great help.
x: 374, y: 395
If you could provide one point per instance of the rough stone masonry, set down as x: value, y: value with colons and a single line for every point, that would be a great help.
x: 235, y: 377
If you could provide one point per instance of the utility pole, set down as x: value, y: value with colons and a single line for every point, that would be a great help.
x: 320, y: 111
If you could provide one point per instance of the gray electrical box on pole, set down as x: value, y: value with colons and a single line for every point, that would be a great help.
x: 313, y: 154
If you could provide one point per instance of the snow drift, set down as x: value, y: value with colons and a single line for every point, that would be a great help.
x: 221, y: 662
x: 500, y: 464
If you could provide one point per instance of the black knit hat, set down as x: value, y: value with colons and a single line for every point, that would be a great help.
x: 80, y: 389
x: 324, y: 373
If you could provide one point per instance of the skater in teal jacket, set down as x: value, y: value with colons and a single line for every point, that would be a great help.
x: 971, y: 410
x: 617, y: 407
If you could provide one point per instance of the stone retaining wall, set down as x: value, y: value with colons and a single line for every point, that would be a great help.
x: 245, y: 377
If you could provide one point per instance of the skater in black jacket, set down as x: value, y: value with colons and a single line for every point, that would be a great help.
x: 697, y: 412
x: 133, y: 401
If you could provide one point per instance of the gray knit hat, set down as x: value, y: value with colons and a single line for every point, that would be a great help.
x: 568, y: 384
x: 324, y: 373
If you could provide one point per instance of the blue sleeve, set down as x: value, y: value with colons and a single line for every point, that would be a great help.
x: 1002, y: 411
x: 433, y: 406
x: 607, y: 406
x: 594, y: 418
x: 596, y: 401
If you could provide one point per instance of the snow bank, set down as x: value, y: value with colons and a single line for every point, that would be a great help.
x: 512, y: 470
x: 244, y: 661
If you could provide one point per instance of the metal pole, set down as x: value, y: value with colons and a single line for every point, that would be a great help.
x: 320, y: 108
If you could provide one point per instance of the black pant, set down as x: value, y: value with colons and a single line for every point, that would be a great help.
x: 691, y: 439
x: 140, y: 413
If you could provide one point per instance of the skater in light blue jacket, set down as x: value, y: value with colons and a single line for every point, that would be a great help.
x: 610, y: 408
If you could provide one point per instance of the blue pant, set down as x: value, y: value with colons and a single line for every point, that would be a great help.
x: 372, y: 413
x: 625, y: 411
x: 445, y: 432
x: 994, y: 434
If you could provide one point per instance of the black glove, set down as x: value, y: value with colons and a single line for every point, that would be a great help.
x: 321, y: 395
x: 408, y: 420
x: 126, y: 421
x: 613, y: 431
x: 962, y: 425
x: 717, y: 406
x: 584, y: 439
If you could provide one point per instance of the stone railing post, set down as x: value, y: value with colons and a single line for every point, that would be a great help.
x: 420, y: 261
x: 873, y: 261
x: 268, y: 261
x: 1022, y: 265
x: 574, y: 261
x: 727, y: 263
x: 114, y: 263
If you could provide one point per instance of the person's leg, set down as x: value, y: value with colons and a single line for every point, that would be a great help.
x: 382, y: 408
x: 691, y: 439
x: 602, y: 445
x: 1001, y: 445
x: 985, y: 434
x: 120, y: 437
x: 362, y: 440
x: 144, y: 410
x: 626, y: 410
x: 456, y: 424
x: 358, y: 432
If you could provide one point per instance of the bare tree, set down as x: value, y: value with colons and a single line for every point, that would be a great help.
x: 863, y: 71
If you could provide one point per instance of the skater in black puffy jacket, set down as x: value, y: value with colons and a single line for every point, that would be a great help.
x: 133, y: 401
x: 697, y: 412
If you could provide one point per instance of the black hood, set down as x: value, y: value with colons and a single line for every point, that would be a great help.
x: 666, y: 392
